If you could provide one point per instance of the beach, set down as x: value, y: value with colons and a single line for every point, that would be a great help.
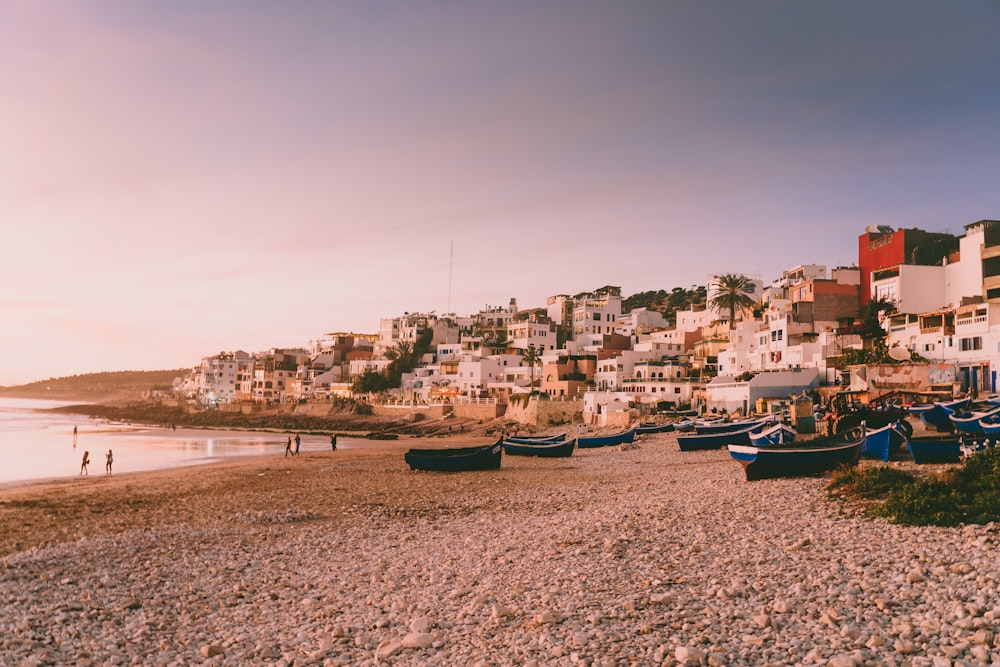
x: 637, y: 555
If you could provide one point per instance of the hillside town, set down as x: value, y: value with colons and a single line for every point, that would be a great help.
x: 913, y: 316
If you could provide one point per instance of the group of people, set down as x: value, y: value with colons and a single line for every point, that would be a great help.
x: 298, y: 443
x: 109, y: 459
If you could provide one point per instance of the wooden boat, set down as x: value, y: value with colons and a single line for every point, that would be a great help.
x: 529, y: 439
x: 555, y: 449
x: 728, y: 427
x: 779, y: 434
x: 483, y: 457
x: 881, y: 443
x: 805, y: 458
x: 696, y: 441
x: 944, y: 448
x: 969, y: 422
x: 642, y: 429
x: 990, y: 427
x: 606, y: 440
x: 937, y: 417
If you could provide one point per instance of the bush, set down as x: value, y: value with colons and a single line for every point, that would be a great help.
x: 969, y: 494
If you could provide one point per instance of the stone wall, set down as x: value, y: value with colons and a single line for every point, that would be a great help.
x: 410, y: 412
x: 544, y: 413
x: 484, y: 411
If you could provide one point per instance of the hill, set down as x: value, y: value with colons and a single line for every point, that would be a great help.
x: 109, y: 387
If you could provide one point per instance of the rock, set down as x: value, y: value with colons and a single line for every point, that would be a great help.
x: 388, y: 649
x: 211, y: 650
x: 418, y: 640
x: 421, y: 624
x: 689, y: 655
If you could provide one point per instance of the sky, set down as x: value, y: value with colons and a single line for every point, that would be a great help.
x: 183, y: 178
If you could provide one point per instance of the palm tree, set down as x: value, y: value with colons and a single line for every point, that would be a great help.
x: 731, y: 294
x: 532, y: 358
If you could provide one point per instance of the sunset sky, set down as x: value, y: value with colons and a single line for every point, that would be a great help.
x: 181, y: 178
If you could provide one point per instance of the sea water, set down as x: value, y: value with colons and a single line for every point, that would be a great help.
x: 39, y: 444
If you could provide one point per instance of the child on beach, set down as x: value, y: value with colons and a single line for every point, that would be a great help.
x: 110, y: 458
x: 86, y: 462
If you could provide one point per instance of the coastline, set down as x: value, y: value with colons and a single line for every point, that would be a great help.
x: 617, y: 555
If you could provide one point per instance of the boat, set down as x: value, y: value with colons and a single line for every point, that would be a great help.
x: 970, y: 422
x: 643, y: 429
x: 696, y: 441
x: 483, y: 457
x: 729, y: 427
x: 881, y: 443
x: 779, y: 434
x: 606, y: 440
x: 937, y: 417
x: 529, y: 439
x: 805, y: 458
x: 991, y: 427
x: 943, y: 448
x: 556, y: 449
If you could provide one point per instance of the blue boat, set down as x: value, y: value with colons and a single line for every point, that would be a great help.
x: 881, y: 443
x: 779, y: 434
x: 483, y: 457
x: 529, y: 439
x: 537, y: 448
x: 806, y: 458
x: 643, y: 429
x: 942, y: 448
x: 729, y: 427
x: 969, y: 422
x: 692, y: 442
x: 606, y: 440
x: 937, y: 417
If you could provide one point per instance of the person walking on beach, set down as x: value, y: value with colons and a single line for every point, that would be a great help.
x: 86, y: 462
x: 74, y: 436
x: 107, y: 466
x: 298, y: 441
x: 333, y: 442
x: 288, y: 446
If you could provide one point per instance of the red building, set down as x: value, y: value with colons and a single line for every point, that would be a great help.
x: 880, y: 248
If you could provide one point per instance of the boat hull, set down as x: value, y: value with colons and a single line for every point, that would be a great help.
x: 935, y: 449
x: 809, y: 458
x: 485, y: 457
x: 606, y: 440
x: 542, y: 449
x: 694, y: 442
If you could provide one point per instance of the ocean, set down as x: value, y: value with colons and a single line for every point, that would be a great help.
x: 36, y: 445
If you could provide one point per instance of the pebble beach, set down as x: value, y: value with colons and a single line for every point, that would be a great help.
x: 633, y: 555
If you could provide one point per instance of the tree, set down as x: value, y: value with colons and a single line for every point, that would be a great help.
x: 731, y: 294
x: 532, y: 358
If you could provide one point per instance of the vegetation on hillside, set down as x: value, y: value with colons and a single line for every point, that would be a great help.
x: 667, y: 303
x: 963, y: 495
x: 108, y: 386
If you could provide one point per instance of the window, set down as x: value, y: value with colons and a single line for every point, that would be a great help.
x: 969, y: 344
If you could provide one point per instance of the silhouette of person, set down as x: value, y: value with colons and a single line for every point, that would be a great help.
x: 288, y: 446
x: 86, y: 462
x: 298, y: 441
x: 333, y: 442
x: 110, y: 457
x: 74, y: 436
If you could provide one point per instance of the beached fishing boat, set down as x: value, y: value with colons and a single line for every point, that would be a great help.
x: 483, y: 457
x: 881, y: 443
x: 943, y: 448
x: 970, y: 422
x: 779, y: 434
x: 537, y: 448
x: 691, y: 442
x: 805, y: 458
x: 606, y: 440
x: 529, y: 439
x: 729, y: 427
x: 642, y: 429
x: 937, y: 417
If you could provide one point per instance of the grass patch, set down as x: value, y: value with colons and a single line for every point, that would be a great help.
x: 969, y: 494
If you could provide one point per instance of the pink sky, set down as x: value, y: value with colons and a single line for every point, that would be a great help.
x: 182, y: 178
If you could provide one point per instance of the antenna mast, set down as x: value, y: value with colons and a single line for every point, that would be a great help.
x: 451, y: 265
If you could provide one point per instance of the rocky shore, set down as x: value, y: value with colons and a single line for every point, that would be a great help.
x: 617, y: 556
